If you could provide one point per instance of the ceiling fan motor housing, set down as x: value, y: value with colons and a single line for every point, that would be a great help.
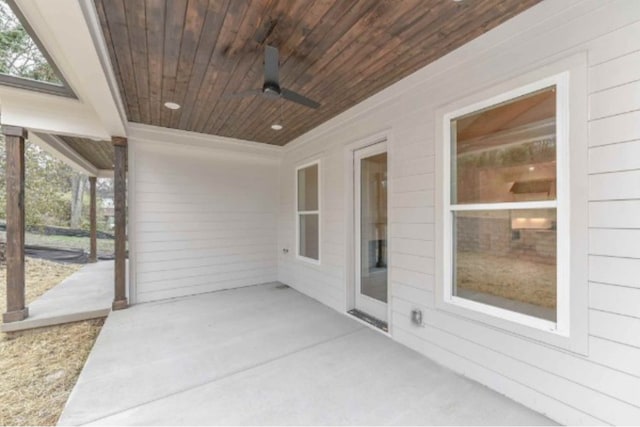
x: 272, y: 90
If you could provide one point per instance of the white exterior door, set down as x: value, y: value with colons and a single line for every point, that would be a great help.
x: 370, y: 180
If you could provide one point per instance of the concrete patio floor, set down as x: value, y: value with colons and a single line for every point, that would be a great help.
x: 86, y: 294
x: 265, y: 356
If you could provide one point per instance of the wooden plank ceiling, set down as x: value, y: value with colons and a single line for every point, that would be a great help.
x: 98, y: 153
x: 337, y: 52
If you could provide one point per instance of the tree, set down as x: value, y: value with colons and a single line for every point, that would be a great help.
x: 19, y: 55
x: 54, y: 193
x: 78, y: 185
x: 48, y: 185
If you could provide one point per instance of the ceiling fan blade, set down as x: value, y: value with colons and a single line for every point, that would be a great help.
x: 243, y: 94
x: 296, y: 97
x: 271, y: 65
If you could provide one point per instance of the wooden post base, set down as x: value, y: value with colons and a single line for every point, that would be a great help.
x: 15, y: 316
x: 119, y: 305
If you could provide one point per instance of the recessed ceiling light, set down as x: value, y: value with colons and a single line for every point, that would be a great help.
x: 172, y: 105
x: 532, y: 168
x: 276, y: 126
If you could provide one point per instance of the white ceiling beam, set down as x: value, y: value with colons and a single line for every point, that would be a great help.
x: 69, y: 31
x: 49, y: 114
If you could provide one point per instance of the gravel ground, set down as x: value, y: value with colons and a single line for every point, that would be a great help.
x: 39, y: 368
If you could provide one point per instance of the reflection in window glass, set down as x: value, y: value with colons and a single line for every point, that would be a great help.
x: 507, y: 258
x: 373, y: 226
x: 308, y: 213
x: 308, y: 188
x: 309, y: 236
x: 506, y: 153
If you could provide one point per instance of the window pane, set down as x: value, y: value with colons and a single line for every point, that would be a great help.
x: 507, y: 258
x: 309, y: 236
x: 20, y: 56
x: 507, y: 152
x: 373, y: 227
x: 308, y: 188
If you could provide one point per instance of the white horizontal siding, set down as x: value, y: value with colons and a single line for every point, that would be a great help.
x: 616, y: 214
x: 204, y: 220
x: 621, y: 128
x: 600, y: 387
x: 615, y: 299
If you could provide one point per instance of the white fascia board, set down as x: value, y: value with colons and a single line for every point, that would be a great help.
x: 67, y: 29
x: 60, y: 150
x: 49, y: 114
x: 140, y: 133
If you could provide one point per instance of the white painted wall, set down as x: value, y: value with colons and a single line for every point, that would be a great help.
x: 599, y: 387
x: 203, y: 213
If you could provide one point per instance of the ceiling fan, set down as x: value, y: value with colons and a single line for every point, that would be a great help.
x: 271, y: 86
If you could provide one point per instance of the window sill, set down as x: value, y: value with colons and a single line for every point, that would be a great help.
x: 311, y: 261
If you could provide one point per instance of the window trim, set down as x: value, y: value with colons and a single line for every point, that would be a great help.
x: 298, y: 213
x: 561, y: 326
x: 576, y: 70
x: 60, y: 89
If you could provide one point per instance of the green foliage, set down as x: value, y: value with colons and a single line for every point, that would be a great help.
x: 19, y: 55
x: 47, y: 187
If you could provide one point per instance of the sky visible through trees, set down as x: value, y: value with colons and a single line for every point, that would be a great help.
x: 19, y: 55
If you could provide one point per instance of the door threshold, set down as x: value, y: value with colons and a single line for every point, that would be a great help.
x: 367, y: 318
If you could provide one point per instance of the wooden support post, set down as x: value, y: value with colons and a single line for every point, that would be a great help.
x: 14, y: 141
x: 93, y: 251
x: 120, y: 208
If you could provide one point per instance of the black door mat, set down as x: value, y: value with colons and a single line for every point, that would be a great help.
x: 369, y: 319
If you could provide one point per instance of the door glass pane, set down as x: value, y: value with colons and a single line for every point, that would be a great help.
x: 373, y: 228
x: 309, y: 236
x: 308, y: 188
x: 507, y: 258
x: 507, y: 152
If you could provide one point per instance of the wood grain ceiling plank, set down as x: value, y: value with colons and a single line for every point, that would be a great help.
x: 113, y: 13
x: 98, y: 153
x: 338, y: 52
x: 394, y: 68
x: 246, y: 51
x: 373, y: 72
x: 192, y: 100
x: 313, y: 14
x: 430, y: 50
x: 174, y: 25
x: 135, y: 12
x: 220, y: 68
x: 155, y: 22
x: 340, y: 64
x: 191, y: 38
x: 288, y: 16
x: 360, y: 55
x: 341, y: 20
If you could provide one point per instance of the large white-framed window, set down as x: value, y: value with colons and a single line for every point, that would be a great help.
x: 511, y: 217
x: 308, y: 212
x: 505, y: 210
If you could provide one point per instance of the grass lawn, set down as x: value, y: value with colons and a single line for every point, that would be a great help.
x: 105, y: 246
x: 39, y: 368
